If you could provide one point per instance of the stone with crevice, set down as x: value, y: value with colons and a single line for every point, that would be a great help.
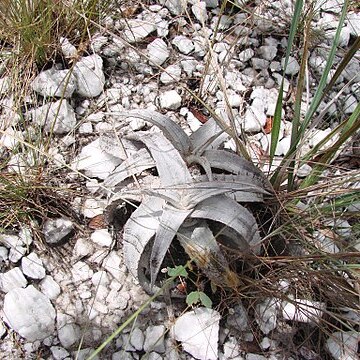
x: 29, y: 313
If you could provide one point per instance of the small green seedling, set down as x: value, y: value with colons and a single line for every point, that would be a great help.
x: 178, y: 270
x: 198, y: 296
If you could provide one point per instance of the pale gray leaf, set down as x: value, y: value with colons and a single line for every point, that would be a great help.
x: 170, y: 222
x: 238, y: 187
x: 111, y: 146
x: 139, y: 230
x: 228, y: 212
x: 202, y: 247
x: 173, y: 132
x: 208, y: 136
x: 134, y: 164
x: 185, y: 197
x: 171, y: 167
x: 235, y: 164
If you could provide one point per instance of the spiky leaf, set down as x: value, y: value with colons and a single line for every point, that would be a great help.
x: 134, y: 164
x: 169, y: 224
x: 208, y: 136
x: 171, y: 167
x: 172, y: 131
x: 139, y: 230
x: 228, y: 212
x: 201, y: 246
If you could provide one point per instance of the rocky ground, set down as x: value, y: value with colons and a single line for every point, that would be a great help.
x: 60, y: 299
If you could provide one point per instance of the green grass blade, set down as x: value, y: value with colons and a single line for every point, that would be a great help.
x: 342, y: 128
x: 277, y: 116
x: 325, y: 159
x: 298, y: 97
x: 352, y: 119
x: 322, y: 84
x: 344, y: 62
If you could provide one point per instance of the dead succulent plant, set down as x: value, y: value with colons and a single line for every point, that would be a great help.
x: 185, y: 205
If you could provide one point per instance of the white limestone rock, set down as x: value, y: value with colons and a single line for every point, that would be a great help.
x: 53, y: 82
x: 255, y: 119
x: 198, y: 332
x: 32, y: 266
x: 266, y: 315
x: 260, y: 64
x: 85, y: 128
x: 82, y: 248
x: 4, y: 254
x: 154, y: 338
x: 92, y: 208
x: 12, y: 279
x: 81, y: 272
x: 212, y: 3
x: 176, y: 7
x: 158, y: 52
x: 136, y: 124
x: 4, y: 85
x: 189, y: 66
x: 184, y: 44
x: 29, y: 313
x: 171, y: 74
x: 137, y: 30
x: 98, y: 41
x: 252, y: 356
x: 303, y: 171
x: 68, y: 335
x: 329, y: 5
x: 100, y: 278
x: 170, y: 100
x: 50, y: 287
x: 11, y: 138
x: 345, y: 36
x: 16, y: 253
x: 84, y: 354
x: 350, y: 104
x: 101, y: 237
x: 90, y: 78
x: 283, y: 146
x: 232, y: 349
x: 238, y: 318
x: 302, y: 310
x: 2, y: 330
x: 246, y: 55
x: 58, y: 117
x: 95, y: 161
x: 193, y: 121
x: 25, y: 235
x: 112, y: 265
x: 58, y: 352
x: 353, y: 20
x: 199, y: 11
x: 268, y: 52
x: 318, y: 135
x: 293, y: 66
x: 68, y: 49
x: 343, y: 345
x: 137, y: 339
x: 57, y: 230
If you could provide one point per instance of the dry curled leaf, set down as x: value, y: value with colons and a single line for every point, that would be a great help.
x: 199, y: 115
x: 97, y: 222
x: 268, y: 125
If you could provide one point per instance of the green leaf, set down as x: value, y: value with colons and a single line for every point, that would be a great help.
x: 178, y: 270
x: 205, y: 300
x: 277, y: 116
x: 319, y: 94
x: 193, y: 298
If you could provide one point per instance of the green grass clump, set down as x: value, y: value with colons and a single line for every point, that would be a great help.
x: 31, y: 29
